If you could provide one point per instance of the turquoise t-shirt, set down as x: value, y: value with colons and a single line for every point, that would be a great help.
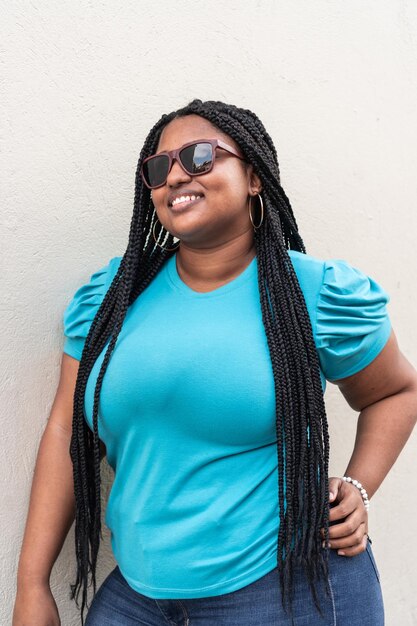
x: 187, y: 414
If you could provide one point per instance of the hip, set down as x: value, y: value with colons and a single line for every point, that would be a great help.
x: 355, y: 600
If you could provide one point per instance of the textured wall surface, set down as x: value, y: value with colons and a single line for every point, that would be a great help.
x: 83, y: 83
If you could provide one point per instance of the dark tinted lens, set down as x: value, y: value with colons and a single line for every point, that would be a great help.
x: 197, y: 158
x: 155, y: 170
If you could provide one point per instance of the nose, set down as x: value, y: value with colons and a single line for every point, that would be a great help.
x: 176, y: 174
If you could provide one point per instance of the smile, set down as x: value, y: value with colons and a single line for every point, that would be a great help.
x: 184, y: 201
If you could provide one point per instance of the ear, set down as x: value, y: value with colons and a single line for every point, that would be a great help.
x: 255, y: 183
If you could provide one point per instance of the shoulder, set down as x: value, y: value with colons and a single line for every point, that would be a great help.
x: 353, y: 323
x: 84, y: 304
x: 348, y: 309
x: 337, y: 281
x: 309, y: 269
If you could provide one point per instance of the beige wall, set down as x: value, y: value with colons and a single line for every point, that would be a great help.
x: 335, y: 85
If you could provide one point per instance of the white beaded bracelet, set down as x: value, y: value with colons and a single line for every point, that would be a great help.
x: 357, y: 484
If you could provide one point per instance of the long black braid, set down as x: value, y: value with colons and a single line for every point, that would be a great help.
x: 301, y: 422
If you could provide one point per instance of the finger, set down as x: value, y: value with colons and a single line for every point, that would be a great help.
x: 348, y: 541
x: 338, y: 512
x: 343, y: 508
x: 354, y: 550
x: 350, y: 523
x: 334, y: 485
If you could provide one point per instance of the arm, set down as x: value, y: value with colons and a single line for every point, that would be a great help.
x: 52, y: 504
x: 385, y: 393
x: 51, y: 507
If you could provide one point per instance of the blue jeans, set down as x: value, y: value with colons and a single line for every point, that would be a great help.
x: 356, y: 600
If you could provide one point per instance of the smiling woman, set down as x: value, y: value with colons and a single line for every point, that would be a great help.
x: 203, y: 357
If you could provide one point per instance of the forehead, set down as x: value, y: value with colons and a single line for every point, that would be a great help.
x: 187, y: 128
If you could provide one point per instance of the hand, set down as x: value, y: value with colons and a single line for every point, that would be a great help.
x: 35, y: 605
x: 348, y: 537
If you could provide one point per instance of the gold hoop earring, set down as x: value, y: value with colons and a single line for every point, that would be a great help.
x: 158, y: 244
x: 262, y: 212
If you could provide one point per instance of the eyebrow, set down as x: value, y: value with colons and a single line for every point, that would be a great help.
x: 184, y: 144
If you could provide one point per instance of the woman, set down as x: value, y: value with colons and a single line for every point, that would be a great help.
x: 202, y: 356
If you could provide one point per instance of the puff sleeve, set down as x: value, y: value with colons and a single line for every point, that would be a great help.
x: 353, y: 324
x: 80, y: 312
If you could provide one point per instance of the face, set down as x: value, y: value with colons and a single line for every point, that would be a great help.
x: 222, y: 213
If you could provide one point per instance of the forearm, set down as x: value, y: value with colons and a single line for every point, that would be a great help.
x: 382, y: 431
x: 51, y: 507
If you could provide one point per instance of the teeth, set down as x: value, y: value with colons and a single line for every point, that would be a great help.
x: 184, y: 199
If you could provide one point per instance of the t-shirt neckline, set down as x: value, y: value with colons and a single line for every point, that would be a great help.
x: 248, y: 273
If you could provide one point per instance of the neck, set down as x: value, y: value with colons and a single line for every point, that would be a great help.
x: 208, y: 268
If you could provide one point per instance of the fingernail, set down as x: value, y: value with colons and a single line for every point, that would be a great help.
x: 331, y: 495
x: 341, y: 552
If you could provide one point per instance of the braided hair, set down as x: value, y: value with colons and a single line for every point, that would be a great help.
x: 301, y: 422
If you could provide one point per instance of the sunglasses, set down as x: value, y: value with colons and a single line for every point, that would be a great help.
x: 195, y: 158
